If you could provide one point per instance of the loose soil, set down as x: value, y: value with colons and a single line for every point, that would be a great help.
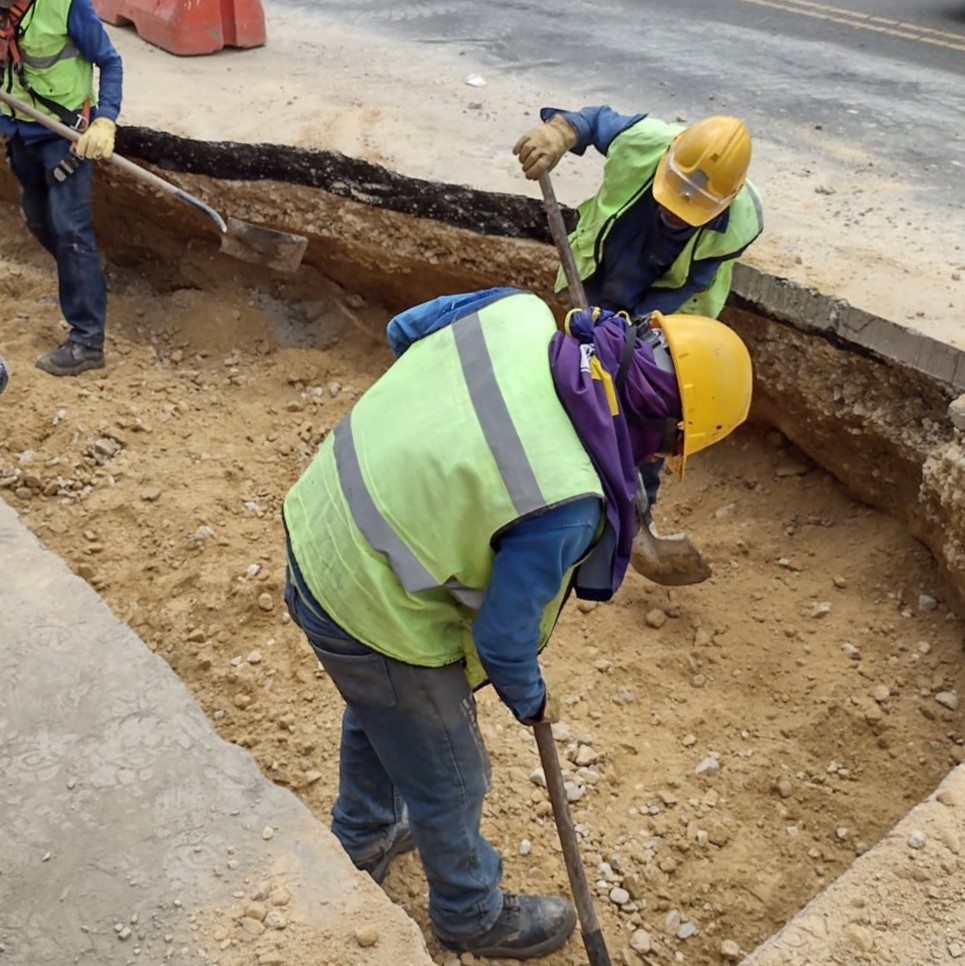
x: 808, y: 666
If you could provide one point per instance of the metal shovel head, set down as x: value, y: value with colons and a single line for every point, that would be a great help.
x: 671, y: 561
x: 263, y: 246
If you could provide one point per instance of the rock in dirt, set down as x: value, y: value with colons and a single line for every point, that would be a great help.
x: 366, y: 936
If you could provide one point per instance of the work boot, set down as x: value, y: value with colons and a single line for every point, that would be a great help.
x: 400, y: 841
x: 528, y: 927
x: 70, y: 358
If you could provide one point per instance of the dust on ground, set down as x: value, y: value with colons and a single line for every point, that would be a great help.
x: 734, y: 744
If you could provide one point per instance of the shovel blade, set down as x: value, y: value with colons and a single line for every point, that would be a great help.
x: 671, y: 561
x: 278, y: 250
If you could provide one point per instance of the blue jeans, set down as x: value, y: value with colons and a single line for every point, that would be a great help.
x: 410, y: 736
x: 58, y: 214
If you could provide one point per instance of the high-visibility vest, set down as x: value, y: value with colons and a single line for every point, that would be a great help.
x: 631, y: 164
x: 392, y: 524
x: 53, y: 68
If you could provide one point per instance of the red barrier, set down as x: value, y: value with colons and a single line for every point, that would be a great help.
x: 189, y: 27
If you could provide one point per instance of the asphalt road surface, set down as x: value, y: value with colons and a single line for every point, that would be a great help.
x: 884, y: 79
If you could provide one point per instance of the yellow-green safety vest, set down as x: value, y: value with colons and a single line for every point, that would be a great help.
x: 52, y: 65
x: 628, y: 173
x: 392, y: 524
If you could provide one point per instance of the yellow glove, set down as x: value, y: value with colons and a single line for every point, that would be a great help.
x: 97, y: 141
x: 540, y: 149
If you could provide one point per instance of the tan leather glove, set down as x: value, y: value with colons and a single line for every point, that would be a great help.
x: 549, y: 714
x: 97, y: 142
x: 540, y: 149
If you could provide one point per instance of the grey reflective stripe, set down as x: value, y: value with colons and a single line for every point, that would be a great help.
x: 473, y: 599
x: 42, y: 63
x: 758, y: 209
x: 375, y: 528
x: 378, y: 531
x: 493, y: 415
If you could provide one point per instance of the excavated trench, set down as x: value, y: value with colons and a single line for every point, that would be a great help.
x: 819, y: 668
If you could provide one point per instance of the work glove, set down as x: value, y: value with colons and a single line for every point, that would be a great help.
x: 540, y: 149
x: 97, y: 142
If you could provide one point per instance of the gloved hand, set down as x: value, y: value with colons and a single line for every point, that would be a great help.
x: 540, y: 149
x: 97, y: 142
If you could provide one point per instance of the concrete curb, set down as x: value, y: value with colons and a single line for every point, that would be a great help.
x: 129, y: 827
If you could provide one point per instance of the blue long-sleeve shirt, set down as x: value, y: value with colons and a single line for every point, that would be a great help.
x: 90, y: 38
x: 532, y: 556
x: 641, y: 245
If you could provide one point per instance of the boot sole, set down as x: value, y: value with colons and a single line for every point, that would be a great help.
x: 547, y: 946
x: 73, y: 370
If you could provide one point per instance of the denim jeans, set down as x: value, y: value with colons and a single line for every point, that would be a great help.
x: 410, y: 737
x: 58, y: 214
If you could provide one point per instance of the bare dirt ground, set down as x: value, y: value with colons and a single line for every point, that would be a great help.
x: 737, y: 743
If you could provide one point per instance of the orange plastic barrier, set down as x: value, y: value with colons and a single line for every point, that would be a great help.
x: 189, y: 27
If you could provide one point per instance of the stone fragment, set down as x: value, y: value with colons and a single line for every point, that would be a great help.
x: 730, y: 951
x: 948, y: 699
x: 640, y: 942
x: 366, y: 936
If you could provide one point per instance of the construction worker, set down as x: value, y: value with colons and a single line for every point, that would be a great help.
x: 49, y: 50
x: 672, y: 214
x: 432, y: 552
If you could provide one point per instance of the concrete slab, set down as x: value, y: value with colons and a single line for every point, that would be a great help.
x: 899, y: 903
x: 131, y: 831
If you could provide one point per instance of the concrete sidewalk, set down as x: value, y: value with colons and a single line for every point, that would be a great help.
x: 130, y: 831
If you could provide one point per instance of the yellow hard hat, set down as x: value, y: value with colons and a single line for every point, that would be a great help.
x: 715, y: 378
x: 702, y: 170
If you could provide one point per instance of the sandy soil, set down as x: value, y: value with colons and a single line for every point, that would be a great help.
x: 737, y: 743
x: 808, y: 667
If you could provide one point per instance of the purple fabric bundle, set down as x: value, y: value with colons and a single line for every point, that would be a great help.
x: 615, y: 444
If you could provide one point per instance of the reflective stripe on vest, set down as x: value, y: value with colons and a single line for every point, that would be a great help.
x: 503, y: 441
x: 42, y: 63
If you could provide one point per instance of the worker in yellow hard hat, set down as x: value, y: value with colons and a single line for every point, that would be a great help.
x: 432, y: 554
x: 673, y: 212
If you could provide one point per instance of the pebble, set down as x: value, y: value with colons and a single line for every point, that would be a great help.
x: 730, y: 951
x: 366, y: 936
x: 267, y: 833
x: 881, y: 693
x: 655, y: 618
x: 525, y: 847
x: 640, y: 942
x: 686, y: 930
x: 926, y: 603
x: 860, y: 937
x: 265, y: 602
x: 851, y: 651
x: 619, y: 896
x: 948, y: 699
x: 150, y: 494
x: 784, y: 788
x: 672, y: 922
x: 956, y: 950
x: 709, y: 767
x: 821, y: 610
x: 916, y: 840
x: 275, y: 920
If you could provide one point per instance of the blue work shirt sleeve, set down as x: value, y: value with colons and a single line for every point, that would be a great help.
x: 594, y: 126
x: 531, y: 559
x: 89, y: 36
x: 428, y: 317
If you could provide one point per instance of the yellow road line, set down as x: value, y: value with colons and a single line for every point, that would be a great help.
x: 882, y: 25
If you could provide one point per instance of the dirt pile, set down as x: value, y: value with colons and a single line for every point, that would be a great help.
x: 733, y: 745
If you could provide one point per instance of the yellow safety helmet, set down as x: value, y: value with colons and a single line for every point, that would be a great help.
x: 715, y: 378
x: 702, y: 170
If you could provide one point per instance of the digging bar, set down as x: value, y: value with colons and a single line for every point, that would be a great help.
x: 672, y: 560
x: 593, y: 941
x: 239, y: 239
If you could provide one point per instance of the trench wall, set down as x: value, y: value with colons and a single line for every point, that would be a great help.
x: 866, y: 398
